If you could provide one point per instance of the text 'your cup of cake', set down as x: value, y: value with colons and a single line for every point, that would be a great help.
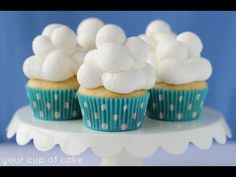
x: 114, y: 79
x: 181, y: 74
x: 52, y: 84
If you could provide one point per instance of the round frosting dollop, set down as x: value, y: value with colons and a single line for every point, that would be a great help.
x: 157, y: 31
x: 87, y: 31
x: 106, y: 34
x: 118, y: 63
x: 157, y: 27
x: 180, y: 61
x: 57, y: 55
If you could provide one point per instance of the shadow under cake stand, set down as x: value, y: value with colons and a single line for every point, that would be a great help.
x: 119, y: 148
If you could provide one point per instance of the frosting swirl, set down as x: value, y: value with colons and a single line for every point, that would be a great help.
x: 176, y: 59
x: 57, y: 55
x: 180, y: 61
x: 118, y: 63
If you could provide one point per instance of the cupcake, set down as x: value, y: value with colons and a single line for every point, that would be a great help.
x: 181, y: 75
x: 114, y: 79
x: 52, y: 84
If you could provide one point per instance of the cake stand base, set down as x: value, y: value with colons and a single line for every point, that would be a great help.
x: 123, y: 158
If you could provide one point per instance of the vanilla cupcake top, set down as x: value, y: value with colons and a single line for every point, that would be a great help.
x: 118, y: 63
x: 57, y: 55
x: 180, y: 61
x: 87, y: 31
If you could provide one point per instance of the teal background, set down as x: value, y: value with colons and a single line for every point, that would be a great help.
x: 216, y: 29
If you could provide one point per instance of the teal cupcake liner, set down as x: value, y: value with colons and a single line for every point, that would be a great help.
x: 113, y: 114
x: 54, y: 105
x: 174, y: 105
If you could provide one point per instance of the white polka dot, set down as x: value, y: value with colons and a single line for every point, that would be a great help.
x: 34, y: 104
x: 104, y: 126
x: 88, y: 123
x: 82, y: 111
x: 201, y: 104
x: 103, y: 107
x: 161, y: 115
x: 160, y: 97
x: 96, y: 115
x: 179, y: 116
x: 67, y: 105
x: 171, y: 107
x: 55, y: 97
x: 142, y: 104
x: 27, y: 94
x: 74, y: 113
x: 37, y: 96
x: 189, y: 106
x: 134, y: 115
x: 75, y: 96
x: 57, y: 115
x: 180, y: 98
x: 48, y: 105
x: 139, y: 123
x: 154, y: 105
x: 115, y: 117
x: 41, y: 114
x: 85, y: 104
x: 194, y: 114
x: 124, y: 126
x: 198, y: 96
x: 125, y: 107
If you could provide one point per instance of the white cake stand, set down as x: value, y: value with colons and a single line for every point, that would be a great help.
x: 119, y: 148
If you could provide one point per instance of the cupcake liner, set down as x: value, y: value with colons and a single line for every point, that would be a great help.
x: 54, y: 104
x: 113, y: 114
x: 174, y: 105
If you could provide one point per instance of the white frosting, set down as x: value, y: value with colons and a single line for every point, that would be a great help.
x: 193, y: 42
x: 172, y: 49
x: 156, y: 27
x: 114, y: 57
x: 176, y: 59
x: 87, y: 31
x: 110, y: 33
x: 118, y: 64
x: 163, y: 37
x: 151, y: 43
x: 174, y: 72
x: 140, y: 77
x: 137, y: 48
x: 89, y: 38
x: 57, y: 55
x: 180, y: 61
x: 157, y: 31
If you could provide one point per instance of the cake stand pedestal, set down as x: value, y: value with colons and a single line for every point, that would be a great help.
x: 119, y: 148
